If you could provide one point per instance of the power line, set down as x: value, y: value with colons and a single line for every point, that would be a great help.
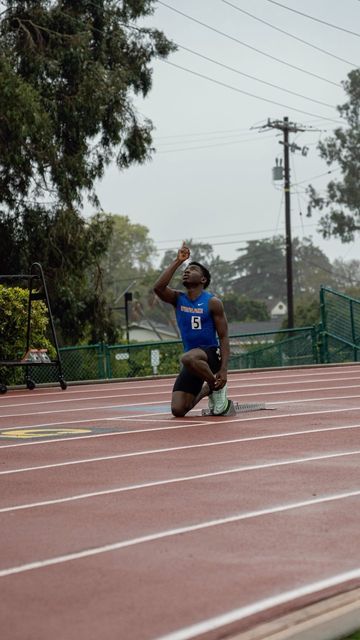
x: 220, y: 131
x: 247, y: 75
x: 204, y: 133
x: 226, y: 35
x: 226, y: 235
x: 309, y: 44
x: 320, y: 175
x: 207, y: 137
x: 306, y: 15
x: 208, y: 146
x: 247, y: 93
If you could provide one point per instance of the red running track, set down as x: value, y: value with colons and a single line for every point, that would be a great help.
x: 119, y: 521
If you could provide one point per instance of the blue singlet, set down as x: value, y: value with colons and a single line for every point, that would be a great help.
x: 195, y: 321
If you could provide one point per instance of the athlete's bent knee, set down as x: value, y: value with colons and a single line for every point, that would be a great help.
x: 187, y: 360
x: 178, y: 412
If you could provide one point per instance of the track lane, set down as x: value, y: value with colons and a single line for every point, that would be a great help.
x: 145, y: 588
x: 240, y: 563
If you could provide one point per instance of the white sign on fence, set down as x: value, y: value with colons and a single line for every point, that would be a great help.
x: 155, y: 360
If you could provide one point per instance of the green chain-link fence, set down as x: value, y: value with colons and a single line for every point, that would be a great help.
x: 337, y: 339
x: 283, y: 348
x: 340, y: 319
x: 252, y: 350
x: 78, y: 363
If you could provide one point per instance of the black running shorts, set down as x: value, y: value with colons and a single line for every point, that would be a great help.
x: 190, y: 383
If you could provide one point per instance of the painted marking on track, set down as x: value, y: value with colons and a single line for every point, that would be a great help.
x: 232, y: 386
x: 122, y: 544
x: 204, y: 445
x: 126, y: 407
x: 159, y: 483
x: 220, y: 422
x: 25, y: 434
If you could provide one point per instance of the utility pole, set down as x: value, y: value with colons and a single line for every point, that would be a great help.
x: 287, y: 127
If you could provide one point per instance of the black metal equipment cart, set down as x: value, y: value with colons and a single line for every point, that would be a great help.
x: 35, y: 280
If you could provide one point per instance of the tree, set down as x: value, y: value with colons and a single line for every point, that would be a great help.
x: 68, y: 72
x: 13, y: 329
x: 311, y: 268
x: 346, y: 274
x: 307, y: 313
x: 342, y: 199
x: 70, y: 248
x: 243, y: 309
x: 128, y: 265
x: 128, y: 257
x: 222, y: 271
x: 260, y: 271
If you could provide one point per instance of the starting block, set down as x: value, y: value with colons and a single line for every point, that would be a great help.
x: 235, y: 408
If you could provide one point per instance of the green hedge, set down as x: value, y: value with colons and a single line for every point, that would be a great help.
x: 13, y: 327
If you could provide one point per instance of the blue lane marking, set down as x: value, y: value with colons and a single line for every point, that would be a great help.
x: 151, y: 408
x: 144, y: 408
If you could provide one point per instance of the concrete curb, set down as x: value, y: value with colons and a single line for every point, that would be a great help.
x: 330, y: 619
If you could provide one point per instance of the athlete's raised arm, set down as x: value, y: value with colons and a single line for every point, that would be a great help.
x: 161, y: 287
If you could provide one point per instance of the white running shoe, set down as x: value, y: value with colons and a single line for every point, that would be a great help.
x: 211, y: 403
x: 220, y: 401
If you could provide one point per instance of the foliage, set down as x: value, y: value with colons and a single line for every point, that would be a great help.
x: 70, y: 249
x: 221, y: 270
x: 311, y: 268
x: 243, y: 309
x: 69, y: 72
x: 138, y: 362
x: 128, y: 258
x: 342, y: 199
x: 260, y: 271
x: 354, y: 636
x: 307, y: 313
x: 13, y: 328
x: 127, y: 265
x: 346, y: 274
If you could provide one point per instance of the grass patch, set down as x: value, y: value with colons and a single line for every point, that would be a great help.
x: 354, y: 636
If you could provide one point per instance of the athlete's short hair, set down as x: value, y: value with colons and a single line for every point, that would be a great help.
x: 205, y: 272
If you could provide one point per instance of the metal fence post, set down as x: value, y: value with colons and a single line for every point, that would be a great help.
x: 353, y: 335
x: 100, y: 356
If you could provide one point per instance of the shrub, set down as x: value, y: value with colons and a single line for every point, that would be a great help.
x: 13, y: 327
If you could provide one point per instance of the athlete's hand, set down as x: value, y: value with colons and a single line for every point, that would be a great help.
x: 183, y: 253
x: 220, y: 379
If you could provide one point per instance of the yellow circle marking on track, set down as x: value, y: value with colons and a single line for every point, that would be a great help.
x: 40, y: 433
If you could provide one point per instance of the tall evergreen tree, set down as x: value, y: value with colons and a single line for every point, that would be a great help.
x: 68, y: 72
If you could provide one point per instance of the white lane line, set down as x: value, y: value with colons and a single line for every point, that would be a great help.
x: 229, y: 617
x: 231, y: 388
x: 93, y: 386
x: 117, y: 396
x: 159, y: 402
x: 248, y: 377
x: 159, y: 483
x: 148, y: 452
x: 73, y: 410
x: 219, y: 422
x: 85, y: 553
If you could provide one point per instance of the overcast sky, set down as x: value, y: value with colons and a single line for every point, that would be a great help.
x: 211, y: 176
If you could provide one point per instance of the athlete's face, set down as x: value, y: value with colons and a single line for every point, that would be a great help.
x: 193, y: 276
